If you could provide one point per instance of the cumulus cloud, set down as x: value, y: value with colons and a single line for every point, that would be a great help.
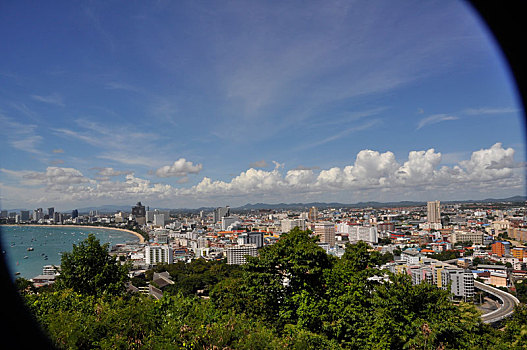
x: 434, y: 119
x: 259, y: 164
x: 180, y: 168
x: 493, y: 163
x: 372, y: 172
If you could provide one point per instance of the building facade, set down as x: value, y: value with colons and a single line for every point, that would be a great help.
x: 236, y: 255
x: 221, y: 212
x: 434, y: 212
x: 474, y: 237
x: 289, y: 224
x: 326, y: 232
x: 158, y: 254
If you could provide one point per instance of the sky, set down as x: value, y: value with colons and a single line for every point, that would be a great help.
x: 184, y: 104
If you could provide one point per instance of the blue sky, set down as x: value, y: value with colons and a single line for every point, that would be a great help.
x: 193, y: 103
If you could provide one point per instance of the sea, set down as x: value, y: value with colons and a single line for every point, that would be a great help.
x: 48, y: 244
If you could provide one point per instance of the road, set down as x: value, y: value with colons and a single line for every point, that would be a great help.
x: 507, y: 303
x: 507, y: 300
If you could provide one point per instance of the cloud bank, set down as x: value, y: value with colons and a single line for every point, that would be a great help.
x: 487, y: 169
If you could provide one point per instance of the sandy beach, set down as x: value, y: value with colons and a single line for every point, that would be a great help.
x: 141, y: 238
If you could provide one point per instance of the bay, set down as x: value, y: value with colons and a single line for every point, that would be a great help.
x: 50, y: 242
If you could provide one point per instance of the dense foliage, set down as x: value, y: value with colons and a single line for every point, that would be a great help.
x: 446, y: 255
x: 293, y: 296
x: 198, y: 275
x: 90, y: 270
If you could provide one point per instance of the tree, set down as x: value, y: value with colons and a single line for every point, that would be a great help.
x: 89, y: 269
x: 24, y: 286
x: 285, y: 276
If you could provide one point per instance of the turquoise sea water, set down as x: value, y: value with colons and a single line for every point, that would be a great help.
x: 48, y: 241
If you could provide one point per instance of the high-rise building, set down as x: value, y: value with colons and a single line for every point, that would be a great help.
x: 221, y: 212
x: 313, y: 214
x: 158, y: 254
x: 51, y: 212
x: 139, y: 212
x: 38, y: 214
x: 159, y: 220
x: 150, y: 216
x: 326, y: 232
x: 24, y: 215
x: 256, y: 238
x: 57, y: 217
x: 227, y: 221
x: 434, y: 212
x: 3, y: 214
x: 74, y: 213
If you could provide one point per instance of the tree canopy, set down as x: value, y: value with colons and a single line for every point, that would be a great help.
x: 89, y: 269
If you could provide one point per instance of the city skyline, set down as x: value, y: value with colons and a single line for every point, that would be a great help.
x: 190, y: 105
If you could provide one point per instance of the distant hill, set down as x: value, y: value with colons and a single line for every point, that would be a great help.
x: 372, y: 204
x: 109, y: 209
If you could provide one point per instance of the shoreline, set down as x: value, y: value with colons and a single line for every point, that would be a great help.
x: 141, y: 238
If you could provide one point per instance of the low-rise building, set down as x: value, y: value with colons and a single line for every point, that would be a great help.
x: 462, y: 236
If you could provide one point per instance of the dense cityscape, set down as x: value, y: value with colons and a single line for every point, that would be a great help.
x: 449, y: 246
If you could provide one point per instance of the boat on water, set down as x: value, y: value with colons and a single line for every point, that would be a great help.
x: 30, y: 249
x: 17, y: 273
x: 25, y: 257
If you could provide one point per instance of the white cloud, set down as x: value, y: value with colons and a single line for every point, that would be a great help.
x: 373, y: 170
x: 111, y: 172
x: 488, y: 164
x: 21, y: 136
x: 123, y: 144
x: 52, y: 177
x: 180, y: 168
x: 53, y: 99
x: 434, y: 119
x: 364, y: 126
x: 371, y: 174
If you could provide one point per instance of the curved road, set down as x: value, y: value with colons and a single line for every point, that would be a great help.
x: 507, y: 301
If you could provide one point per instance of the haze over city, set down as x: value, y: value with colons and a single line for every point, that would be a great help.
x: 193, y: 104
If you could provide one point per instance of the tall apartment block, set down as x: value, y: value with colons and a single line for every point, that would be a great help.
x: 326, y: 232
x: 434, y: 212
